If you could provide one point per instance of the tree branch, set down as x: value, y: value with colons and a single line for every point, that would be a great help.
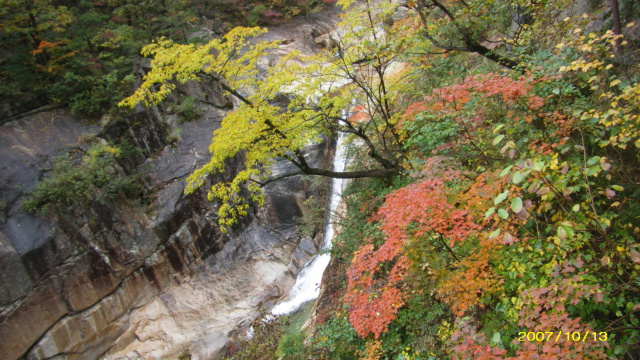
x: 374, y: 173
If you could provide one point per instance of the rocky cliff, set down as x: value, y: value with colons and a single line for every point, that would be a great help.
x: 142, y: 278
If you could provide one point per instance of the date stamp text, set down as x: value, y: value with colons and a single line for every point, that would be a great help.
x: 562, y: 336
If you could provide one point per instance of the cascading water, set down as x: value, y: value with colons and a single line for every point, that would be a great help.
x: 307, y: 286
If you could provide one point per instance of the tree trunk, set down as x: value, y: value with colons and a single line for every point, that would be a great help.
x: 617, y: 29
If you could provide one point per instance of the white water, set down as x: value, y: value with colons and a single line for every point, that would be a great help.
x: 307, y: 286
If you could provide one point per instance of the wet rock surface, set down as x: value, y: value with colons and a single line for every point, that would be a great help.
x: 144, y: 278
x: 116, y: 281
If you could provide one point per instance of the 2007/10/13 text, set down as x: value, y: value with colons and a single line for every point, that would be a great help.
x: 569, y: 336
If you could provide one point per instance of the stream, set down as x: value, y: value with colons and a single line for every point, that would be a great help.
x: 307, y: 285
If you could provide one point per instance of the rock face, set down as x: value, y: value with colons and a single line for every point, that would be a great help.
x: 129, y: 278
x: 142, y: 279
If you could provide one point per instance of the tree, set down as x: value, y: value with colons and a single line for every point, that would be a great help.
x: 281, y: 110
x: 483, y: 27
x: 464, y: 26
x: 32, y: 37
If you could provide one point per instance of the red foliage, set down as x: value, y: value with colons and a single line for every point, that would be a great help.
x: 424, y: 203
x: 375, y: 296
x: 360, y: 114
x: 414, y: 109
x: 455, y: 102
x: 472, y: 345
x: 374, y: 302
x: 487, y: 85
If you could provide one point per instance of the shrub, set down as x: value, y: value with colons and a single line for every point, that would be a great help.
x: 292, y: 347
x: 188, y: 110
x: 263, y: 345
x: 95, y: 178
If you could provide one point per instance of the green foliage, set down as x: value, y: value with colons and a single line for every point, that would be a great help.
x: 428, y: 132
x: 292, y: 347
x: 263, y: 345
x: 311, y: 222
x: 255, y: 15
x: 188, y: 110
x: 80, y: 54
x: 94, y: 178
x: 337, y: 339
x: 91, y: 94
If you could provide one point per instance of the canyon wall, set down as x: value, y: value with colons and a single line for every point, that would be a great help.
x: 148, y: 277
x: 92, y: 280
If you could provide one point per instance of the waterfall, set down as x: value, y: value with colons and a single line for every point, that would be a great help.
x: 307, y: 286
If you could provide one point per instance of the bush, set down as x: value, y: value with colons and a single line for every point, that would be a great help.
x: 95, y: 178
x: 292, y: 347
x: 255, y: 15
x: 188, y: 110
x: 263, y: 345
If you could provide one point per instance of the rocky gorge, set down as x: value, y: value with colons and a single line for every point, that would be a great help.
x: 151, y: 277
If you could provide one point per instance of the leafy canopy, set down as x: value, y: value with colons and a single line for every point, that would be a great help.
x: 296, y: 102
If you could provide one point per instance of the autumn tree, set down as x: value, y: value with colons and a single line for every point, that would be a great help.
x: 486, y: 28
x: 298, y: 101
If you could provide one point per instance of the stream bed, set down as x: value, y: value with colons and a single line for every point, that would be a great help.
x: 307, y: 285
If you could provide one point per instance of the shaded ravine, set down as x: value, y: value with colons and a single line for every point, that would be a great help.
x: 143, y: 281
x: 307, y: 285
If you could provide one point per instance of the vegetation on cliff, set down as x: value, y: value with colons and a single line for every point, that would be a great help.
x: 510, y: 230
x: 495, y: 208
x: 515, y: 234
x: 79, y: 180
x: 82, y: 53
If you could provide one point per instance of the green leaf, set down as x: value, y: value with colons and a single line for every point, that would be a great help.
x: 538, y: 166
x: 518, y: 177
x: 576, y: 208
x: 503, y: 214
x: 516, y: 205
x: 501, y: 198
x: 593, y: 170
x: 562, y: 233
x: 494, y: 233
x: 497, y: 139
x: 506, y: 170
x: 617, y: 187
x: 594, y: 160
x: 489, y: 212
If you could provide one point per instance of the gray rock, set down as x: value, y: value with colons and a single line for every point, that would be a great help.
x: 307, y: 246
x: 400, y: 13
x: 85, y: 283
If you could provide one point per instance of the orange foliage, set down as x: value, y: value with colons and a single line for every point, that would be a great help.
x: 464, y: 287
x: 45, y: 45
x: 360, y: 114
x: 373, y: 350
x: 509, y: 90
x: 375, y: 296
